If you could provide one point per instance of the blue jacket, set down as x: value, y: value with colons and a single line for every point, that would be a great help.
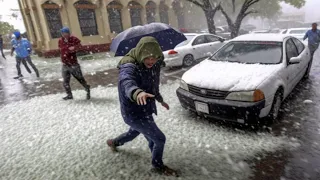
x: 133, y: 77
x: 22, y: 47
x: 313, y: 37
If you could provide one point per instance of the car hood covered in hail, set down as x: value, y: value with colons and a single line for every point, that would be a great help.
x: 228, y: 76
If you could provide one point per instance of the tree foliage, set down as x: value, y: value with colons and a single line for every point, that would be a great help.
x: 252, y: 7
x: 5, y: 27
x: 236, y: 10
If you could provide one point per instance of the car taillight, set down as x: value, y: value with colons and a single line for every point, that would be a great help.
x: 172, y: 52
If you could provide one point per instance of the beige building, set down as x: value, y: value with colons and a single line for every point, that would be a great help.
x: 95, y: 22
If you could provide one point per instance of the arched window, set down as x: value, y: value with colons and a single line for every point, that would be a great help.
x: 52, y: 14
x: 163, y: 12
x: 151, y: 11
x: 135, y: 13
x: 87, y: 17
x: 114, y: 14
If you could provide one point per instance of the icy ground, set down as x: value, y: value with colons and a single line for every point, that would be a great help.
x: 50, y: 69
x: 47, y: 138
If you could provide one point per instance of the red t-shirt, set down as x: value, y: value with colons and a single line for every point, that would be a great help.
x: 69, y: 57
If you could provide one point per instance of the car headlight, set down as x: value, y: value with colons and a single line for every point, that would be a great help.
x: 184, y: 85
x: 249, y: 96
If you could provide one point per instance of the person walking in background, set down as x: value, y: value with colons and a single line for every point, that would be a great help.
x: 23, y: 49
x: 313, y: 36
x: 69, y: 45
x: 1, y: 47
x: 138, y: 89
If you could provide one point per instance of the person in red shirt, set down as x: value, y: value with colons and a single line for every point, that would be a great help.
x: 69, y: 45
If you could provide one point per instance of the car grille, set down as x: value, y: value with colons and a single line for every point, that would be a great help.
x: 208, y: 93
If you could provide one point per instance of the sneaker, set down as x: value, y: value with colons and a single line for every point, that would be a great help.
x: 165, y: 170
x: 18, y: 77
x: 88, y: 93
x: 112, y: 146
x: 69, y: 97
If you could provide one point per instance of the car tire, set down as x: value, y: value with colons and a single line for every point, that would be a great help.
x: 188, y: 60
x: 276, y: 105
x: 306, y: 75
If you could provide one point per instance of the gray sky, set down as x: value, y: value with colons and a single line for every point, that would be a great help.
x: 311, y: 9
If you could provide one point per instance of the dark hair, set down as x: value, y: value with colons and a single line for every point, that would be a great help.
x: 314, y: 24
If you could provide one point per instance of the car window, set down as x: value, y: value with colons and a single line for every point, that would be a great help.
x: 199, y: 40
x: 250, y: 52
x: 291, y: 50
x: 299, y: 45
x: 211, y: 38
x: 298, y: 31
x: 189, y: 38
x: 285, y: 32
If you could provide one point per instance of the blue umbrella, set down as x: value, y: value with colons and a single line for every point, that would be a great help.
x: 167, y: 37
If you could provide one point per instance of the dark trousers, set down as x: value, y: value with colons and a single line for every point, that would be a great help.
x: 76, y: 72
x: 24, y: 61
x: 312, y: 49
x: 2, y: 53
x: 152, y: 133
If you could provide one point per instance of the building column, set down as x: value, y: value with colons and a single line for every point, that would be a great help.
x: 157, y: 15
x: 105, y: 20
x: 43, y: 27
x: 64, y: 15
x: 74, y: 21
x: 34, y: 19
x: 173, y: 19
x: 125, y: 17
x: 143, y: 13
x: 27, y: 22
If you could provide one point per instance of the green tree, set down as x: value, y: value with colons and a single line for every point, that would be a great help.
x: 243, y: 8
x: 236, y: 10
x: 5, y: 27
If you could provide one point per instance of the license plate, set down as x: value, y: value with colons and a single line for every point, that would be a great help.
x: 202, y: 107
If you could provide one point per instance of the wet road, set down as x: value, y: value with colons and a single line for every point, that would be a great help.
x: 300, y: 119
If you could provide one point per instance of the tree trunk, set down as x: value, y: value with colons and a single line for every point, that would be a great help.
x: 234, y: 32
x: 210, y: 21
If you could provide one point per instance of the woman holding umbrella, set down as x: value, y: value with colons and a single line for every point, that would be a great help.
x: 138, y: 89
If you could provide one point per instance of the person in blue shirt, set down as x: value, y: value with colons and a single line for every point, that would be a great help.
x: 313, y: 36
x: 23, y: 49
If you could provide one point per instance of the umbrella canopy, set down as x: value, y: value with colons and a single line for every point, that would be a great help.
x: 166, y: 36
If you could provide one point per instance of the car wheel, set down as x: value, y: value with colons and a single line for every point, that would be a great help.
x: 188, y: 60
x: 276, y: 105
x: 306, y: 75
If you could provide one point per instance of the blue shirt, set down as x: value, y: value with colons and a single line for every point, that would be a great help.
x: 22, y: 47
x: 313, y: 37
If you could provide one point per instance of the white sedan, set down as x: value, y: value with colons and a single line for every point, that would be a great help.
x: 196, y: 47
x: 296, y: 32
x: 247, y: 79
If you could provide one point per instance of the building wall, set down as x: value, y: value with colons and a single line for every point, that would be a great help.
x: 39, y: 32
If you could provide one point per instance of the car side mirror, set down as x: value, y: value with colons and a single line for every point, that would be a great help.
x: 294, y: 60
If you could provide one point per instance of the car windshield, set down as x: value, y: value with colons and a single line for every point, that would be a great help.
x: 275, y: 31
x: 298, y: 31
x: 250, y: 52
x: 189, y: 38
